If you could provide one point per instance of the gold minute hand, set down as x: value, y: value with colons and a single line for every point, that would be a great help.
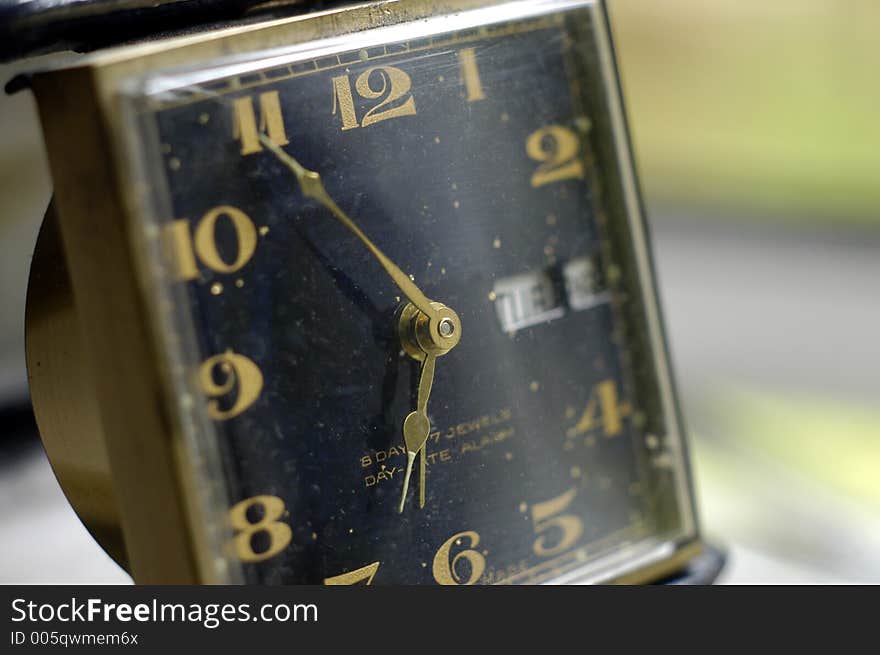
x: 312, y: 186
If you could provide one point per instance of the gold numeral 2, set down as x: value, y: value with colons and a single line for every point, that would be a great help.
x: 470, y: 75
x: 183, y: 250
x: 367, y: 573
x: 395, y: 86
x: 546, y: 516
x: 244, y: 122
x: 279, y: 534
x: 557, y: 148
x: 446, y: 570
x: 237, y: 371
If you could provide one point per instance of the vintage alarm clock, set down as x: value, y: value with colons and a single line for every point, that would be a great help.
x: 361, y: 296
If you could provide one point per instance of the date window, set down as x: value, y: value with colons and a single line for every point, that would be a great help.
x: 525, y: 300
x: 582, y: 286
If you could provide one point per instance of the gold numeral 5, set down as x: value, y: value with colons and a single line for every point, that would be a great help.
x: 557, y: 148
x: 279, y: 534
x: 367, y: 573
x: 546, y: 516
x: 446, y: 570
x: 183, y: 250
x: 235, y: 371
x: 244, y: 122
x: 395, y: 86
x: 604, y: 399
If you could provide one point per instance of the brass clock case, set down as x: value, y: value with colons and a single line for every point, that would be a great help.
x: 63, y: 395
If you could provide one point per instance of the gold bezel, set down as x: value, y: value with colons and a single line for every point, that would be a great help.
x: 162, y: 506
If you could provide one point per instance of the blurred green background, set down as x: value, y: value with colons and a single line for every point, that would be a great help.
x: 755, y: 107
x: 755, y: 131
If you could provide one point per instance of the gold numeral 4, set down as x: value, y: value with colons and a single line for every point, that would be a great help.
x: 244, y: 122
x: 604, y: 400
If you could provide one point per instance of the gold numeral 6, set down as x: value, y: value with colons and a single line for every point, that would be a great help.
x: 234, y: 370
x: 279, y: 534
x: 546, y: 516
x: 557, y: 148
x: 183, y: 250
x: 446, y: 570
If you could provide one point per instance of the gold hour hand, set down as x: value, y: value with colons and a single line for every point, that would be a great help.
x: 312, y: 186
x: 416, y: 426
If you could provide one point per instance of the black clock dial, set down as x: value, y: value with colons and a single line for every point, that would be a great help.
x: 470, y: 161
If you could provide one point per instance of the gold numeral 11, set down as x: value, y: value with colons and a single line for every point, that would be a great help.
x: 244, y: 122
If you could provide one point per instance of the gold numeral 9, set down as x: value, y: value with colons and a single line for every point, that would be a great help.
x: 279, y: 534
x: 557, y: 148
x: 367, y: 573
x: 183, y: 250
x: 244, y: 122
x: 604, y: 399
x: 234, y: 370
x: 546, y: 516
x: 394, y: 85
x: 446, y: 570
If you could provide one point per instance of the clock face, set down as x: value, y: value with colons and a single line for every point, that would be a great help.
x: 470, y: 161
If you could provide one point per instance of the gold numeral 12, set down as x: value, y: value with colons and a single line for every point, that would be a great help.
x: 244, y: 122
x: 393, y: 86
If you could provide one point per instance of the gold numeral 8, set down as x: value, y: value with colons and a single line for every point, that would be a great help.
x: 278, y: 533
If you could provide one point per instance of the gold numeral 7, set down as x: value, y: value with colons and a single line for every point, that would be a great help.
x: 367, y: 573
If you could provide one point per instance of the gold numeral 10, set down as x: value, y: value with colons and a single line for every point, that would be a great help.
x: 604, y: 400
x: 392, y: 85
x: 277, y: 534
x: 184, y: 247
x: 546, y: 517
x: 244, y: 122
x: 557, y: 148
x: 229, y: 372
x: 364, y: 574
x: 446, y: 567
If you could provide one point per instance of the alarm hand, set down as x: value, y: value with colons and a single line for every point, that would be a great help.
x: 417, y: 427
